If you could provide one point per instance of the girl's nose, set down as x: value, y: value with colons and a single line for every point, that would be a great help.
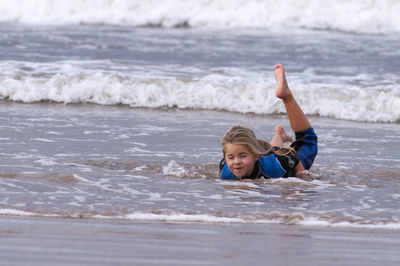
x: 237, y: 161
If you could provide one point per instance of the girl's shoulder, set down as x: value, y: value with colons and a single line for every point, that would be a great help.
x: 271, y: 166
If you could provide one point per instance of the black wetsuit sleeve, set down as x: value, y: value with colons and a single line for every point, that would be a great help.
x: 221, y: 164
x: 299, y: 142
x: 288, y: 162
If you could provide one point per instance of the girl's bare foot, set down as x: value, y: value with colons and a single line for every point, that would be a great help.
x: 280, y: 131
x: 282, y: 89
x: 280, y: 137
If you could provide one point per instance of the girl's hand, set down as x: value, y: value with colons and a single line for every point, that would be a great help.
x: 301, y: 173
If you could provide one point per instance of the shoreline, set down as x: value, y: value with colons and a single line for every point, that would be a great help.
x: 180, y: 218
x: 57, y: 241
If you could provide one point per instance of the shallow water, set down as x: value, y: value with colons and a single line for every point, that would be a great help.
x: 154, y: 164
x: 104, y: 119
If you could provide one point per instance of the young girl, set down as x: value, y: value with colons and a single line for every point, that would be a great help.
x: 245, y: 156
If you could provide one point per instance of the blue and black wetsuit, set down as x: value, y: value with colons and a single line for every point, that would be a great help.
x: 274, y: 166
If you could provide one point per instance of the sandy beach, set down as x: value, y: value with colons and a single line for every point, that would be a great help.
x: 52, y: 241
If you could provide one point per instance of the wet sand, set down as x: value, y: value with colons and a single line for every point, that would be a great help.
x: 53, y: 241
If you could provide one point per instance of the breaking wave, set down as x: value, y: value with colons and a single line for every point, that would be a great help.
x: 357, y: 16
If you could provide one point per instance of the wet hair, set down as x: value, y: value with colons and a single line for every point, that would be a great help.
x: 245, y: 136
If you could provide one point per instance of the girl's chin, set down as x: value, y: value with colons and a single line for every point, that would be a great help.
x: 239, y: 174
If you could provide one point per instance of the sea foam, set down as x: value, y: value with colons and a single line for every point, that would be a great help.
x: 248, y: 93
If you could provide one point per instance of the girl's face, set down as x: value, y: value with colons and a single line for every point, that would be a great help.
x: 240, y: 159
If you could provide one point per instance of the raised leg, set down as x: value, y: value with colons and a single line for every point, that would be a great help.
x: 298, y: 121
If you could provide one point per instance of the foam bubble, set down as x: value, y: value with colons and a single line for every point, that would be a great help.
x: 15, y: 212
x: 173, y: 168
x: 312, y: 221
x: 182, y: 218
x: 46, y: 162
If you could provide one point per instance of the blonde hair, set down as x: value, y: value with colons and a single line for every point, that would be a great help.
x: 245, y: 136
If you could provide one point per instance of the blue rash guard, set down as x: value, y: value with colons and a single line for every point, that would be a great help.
x: 275, y: 166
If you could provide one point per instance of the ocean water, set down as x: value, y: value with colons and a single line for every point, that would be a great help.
x: 118, y: 113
